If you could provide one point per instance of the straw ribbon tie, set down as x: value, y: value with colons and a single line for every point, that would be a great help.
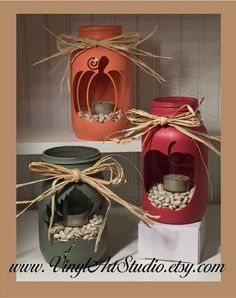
x: 163, y: 121
x: 76, y: 176
x: 124, y: 44
x: 144, y: 123
x: 62, y: 176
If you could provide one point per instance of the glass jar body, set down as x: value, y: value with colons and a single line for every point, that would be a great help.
x: 78, y: 195
x: 168, y: 151
x: 99, y: 75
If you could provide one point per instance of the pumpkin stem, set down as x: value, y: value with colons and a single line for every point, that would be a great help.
x: 102, y: 64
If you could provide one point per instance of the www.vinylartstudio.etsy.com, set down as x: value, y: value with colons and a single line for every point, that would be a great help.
x: 129, y: 264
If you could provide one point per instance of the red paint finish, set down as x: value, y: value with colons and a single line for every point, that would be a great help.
x: 169, y: 151
x: 99, y: 74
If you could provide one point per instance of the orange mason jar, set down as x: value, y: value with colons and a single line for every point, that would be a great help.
x: 101, y: 86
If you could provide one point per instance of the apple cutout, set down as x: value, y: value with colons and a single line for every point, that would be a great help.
x: 156, y: 164
x: 162, y: 164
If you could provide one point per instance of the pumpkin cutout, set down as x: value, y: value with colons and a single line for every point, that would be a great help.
x: 168, y: 151
x: 99, y: 75
x: 99, y: 85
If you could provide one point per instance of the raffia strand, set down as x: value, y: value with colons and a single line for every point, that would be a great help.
x: 144, y: 123
x: 124, y: 44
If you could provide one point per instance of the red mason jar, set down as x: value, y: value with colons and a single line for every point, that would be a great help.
x: 101, y: 86
x: 174, y: 168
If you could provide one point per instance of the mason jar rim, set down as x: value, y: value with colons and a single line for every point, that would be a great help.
x: 174, y: 101
x: 71, y: 155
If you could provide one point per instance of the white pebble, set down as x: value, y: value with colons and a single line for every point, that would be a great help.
x: 76, y: 230
x: 86, y: 232
x: 161, y: 198
x: 93, y: 234
x: 87, y: 116
x: 167, y: 200
x: 68, y: 229
x: 70, y: 235
x: 62, y: 235
x: 177, y: 203
x: 101, y: 117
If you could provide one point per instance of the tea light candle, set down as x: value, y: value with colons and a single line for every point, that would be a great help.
x: 103, y: 107
x: 176, y: 183
x: 76, y: 220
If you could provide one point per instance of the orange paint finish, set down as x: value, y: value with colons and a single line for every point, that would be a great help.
x: 99, y: 74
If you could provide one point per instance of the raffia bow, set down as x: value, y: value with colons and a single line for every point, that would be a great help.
x: 62, y: 176
x: 144, y: 123
x: 124, y: 44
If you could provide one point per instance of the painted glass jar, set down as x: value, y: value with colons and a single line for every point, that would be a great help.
x: 101, y: 81
x: 174, y: 168
x: 78, y: 208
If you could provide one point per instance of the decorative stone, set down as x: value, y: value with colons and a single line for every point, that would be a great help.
x: 68, y: 229
x: 101, y: 117
x: 62, y: 235
x: 165, y: 199
x: 177, y: 203
x: 87, y: 232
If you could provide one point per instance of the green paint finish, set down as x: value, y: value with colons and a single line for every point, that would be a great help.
x: 88, y: 198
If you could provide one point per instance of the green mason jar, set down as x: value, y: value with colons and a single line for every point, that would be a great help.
x: 78, y: 206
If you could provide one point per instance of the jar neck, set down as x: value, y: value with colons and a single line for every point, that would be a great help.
x: 73, y: 156
x: 167, y: 106
x: 99, y: 32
